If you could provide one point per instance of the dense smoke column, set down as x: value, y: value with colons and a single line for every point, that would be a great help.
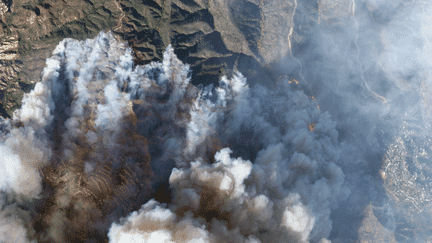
x: 97, y: 138
x: 279, y: 184
x: 85, y: 138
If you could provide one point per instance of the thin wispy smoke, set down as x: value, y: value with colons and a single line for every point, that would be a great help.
x: 369, y: 68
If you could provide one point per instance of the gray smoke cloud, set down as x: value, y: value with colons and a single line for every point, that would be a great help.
x: 97, y: 137
x: 284, y: 195
x: 105, y: 151
x: 368, y: 64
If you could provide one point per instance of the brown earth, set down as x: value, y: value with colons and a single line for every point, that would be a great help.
x: 29, y: 32
x: 214, y: 37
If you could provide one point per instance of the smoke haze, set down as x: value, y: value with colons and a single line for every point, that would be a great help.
x: 105, y: 151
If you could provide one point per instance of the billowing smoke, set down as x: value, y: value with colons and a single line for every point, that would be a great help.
x: 105, y: 151
x: 98, y: 138
x: 277, y: 182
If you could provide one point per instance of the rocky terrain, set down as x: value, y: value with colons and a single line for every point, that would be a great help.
x: 31, y: 29
x: 214, y: 37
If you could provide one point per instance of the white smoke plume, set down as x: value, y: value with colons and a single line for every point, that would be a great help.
x: 98, y: 138
x: 286, y: 189
x: 105, y: 151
